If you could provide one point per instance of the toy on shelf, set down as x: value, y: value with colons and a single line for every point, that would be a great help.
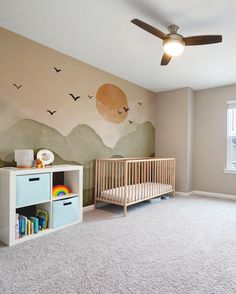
x: 39, y: 163
x: 46, y: 157
x: 60, y: 190
x: 43, y: 217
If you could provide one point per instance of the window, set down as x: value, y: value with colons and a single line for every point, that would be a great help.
x: 231, y: 135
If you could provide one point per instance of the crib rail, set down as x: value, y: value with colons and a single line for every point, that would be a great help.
x: 125, y: 181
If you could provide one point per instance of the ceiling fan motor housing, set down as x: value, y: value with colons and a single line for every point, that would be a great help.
x: 173, y: 29
x: 173, y: 37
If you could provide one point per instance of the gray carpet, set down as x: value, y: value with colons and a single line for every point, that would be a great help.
x: 181, y: 245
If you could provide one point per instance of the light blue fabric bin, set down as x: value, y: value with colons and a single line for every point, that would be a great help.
x: 65, y: 212
x: 32, y: 189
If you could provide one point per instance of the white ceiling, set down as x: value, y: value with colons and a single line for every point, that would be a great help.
x: 100, y: 33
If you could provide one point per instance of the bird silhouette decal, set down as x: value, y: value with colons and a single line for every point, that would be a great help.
x: 131, y: 121
x: 90, y: 97
x: 51, y: 111
x: 119, y: 111
x: 57, y: 69
x: 140, y: 103
x: 17, y: 87
x: 74, y: 97
x: 126, y: 109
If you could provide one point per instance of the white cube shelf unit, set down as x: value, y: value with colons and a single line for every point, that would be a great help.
x: 23, y: 191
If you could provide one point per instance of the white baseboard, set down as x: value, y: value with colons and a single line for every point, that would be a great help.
x: 88, y: 208
x: 216, y: 195
x: 183, y: 194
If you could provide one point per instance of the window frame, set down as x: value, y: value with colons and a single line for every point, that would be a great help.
x: 230, y: 135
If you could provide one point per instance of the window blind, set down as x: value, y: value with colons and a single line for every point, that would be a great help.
x: 231, y: 104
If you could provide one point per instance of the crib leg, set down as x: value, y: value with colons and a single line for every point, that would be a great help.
x: 173, y: 194
x: 125, y: 210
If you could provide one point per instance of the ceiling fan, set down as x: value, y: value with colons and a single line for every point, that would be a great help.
x: 174, y: 43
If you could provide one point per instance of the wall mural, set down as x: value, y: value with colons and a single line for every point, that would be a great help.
x: 112, y: 103
x: 73, y: 109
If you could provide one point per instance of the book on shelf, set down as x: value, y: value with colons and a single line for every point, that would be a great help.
x: 22, y: 226
x: 27, y: 226
x: 17, y: 231
x: 35, y: 221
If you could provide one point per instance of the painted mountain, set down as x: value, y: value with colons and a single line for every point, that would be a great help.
x: 81, y: 146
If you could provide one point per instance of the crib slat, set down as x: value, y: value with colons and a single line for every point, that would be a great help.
x: 135, y: 180
x: 122, y: 180
x: 115, y: 179
x: 100, y: 178
x: 97, y: 192
x: 119, y: 185
x: 139, y: 178
x: 150, y: 178
x: 95, y: 183
x: 148, y: 186
x: 162, y: 175
x: 112, y: 178
x: 129, y: 187
x: 167, y: 173
x: 164, y: 188
x: 125, y: 188
x: 173, y: 178
x: 159, y: 171
x: 169, y: 169
x: 144, y: 181
x: 134, y: 184
x: 155, y: 176
x: 106, y: 179
x: 103, y: 178
x: 166, y: 164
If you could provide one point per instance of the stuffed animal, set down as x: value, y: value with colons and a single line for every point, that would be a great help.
x: 39, y: 163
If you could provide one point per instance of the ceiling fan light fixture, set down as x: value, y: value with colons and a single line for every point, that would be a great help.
x: 173, y: 46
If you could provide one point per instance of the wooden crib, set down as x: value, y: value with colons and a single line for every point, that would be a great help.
x: 126, y: 181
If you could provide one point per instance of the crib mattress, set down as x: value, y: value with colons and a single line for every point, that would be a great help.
x: 136, y: 192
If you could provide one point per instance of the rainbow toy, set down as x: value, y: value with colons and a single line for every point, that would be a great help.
x: 60, y: 190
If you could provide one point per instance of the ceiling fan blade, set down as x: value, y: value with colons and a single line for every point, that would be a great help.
x: 165, y: 59
x: 149, y: 28
x: 202, y: 40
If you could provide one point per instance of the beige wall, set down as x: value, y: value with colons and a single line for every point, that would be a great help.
x: 210, y: 145
x: 173, y: 132
x: 190, y: 140
x: 192, y: 126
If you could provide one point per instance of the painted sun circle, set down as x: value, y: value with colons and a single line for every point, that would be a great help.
x: 111, y: 103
